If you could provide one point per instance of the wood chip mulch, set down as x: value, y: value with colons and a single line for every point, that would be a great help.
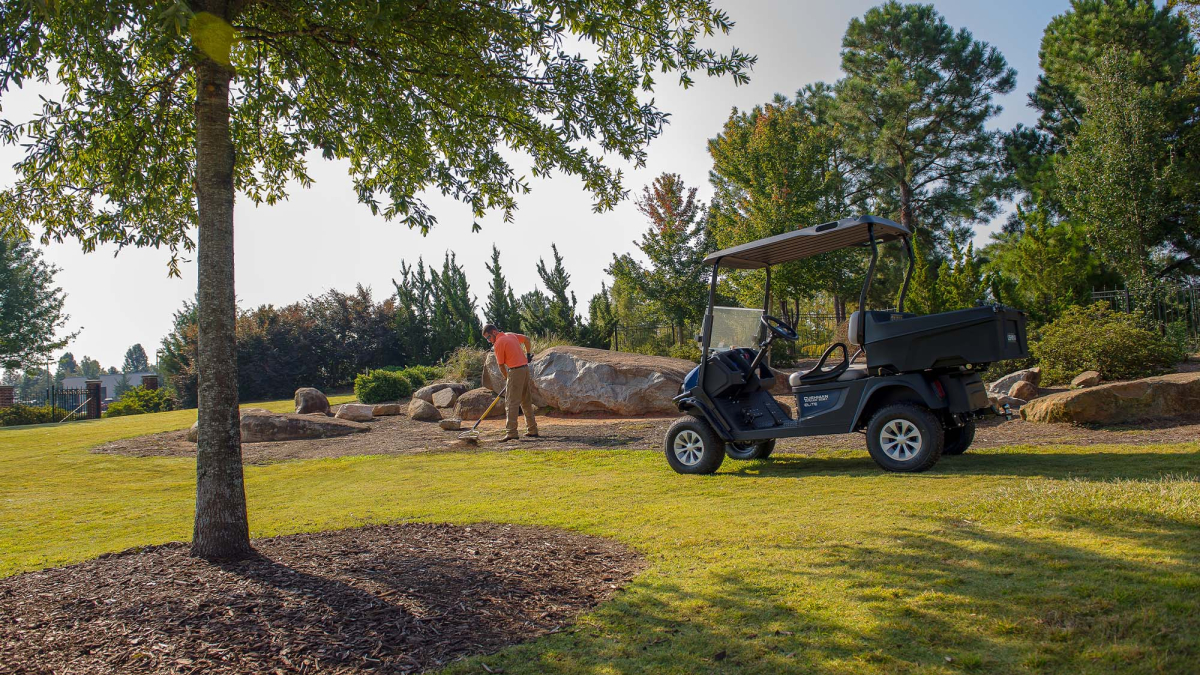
x: 390, y: 599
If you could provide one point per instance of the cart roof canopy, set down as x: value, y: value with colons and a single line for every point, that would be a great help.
x: 807, y: 243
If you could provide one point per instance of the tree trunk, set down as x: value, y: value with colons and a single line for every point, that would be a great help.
x: 906, y: 214
x: 221, y: 529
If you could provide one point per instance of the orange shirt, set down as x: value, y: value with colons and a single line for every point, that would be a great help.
x: 509, y: 352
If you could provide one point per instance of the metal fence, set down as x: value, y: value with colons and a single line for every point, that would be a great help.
x: 66, y: 404
x: 1176, y: 305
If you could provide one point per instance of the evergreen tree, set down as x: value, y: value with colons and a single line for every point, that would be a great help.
x: 121, y: 386
x: 454, y: 322
x: 90, y: 368
x: 924, y: 293
x: 173, y: 108
x: 66, y: 367
x: 536, y: 313
x: 912, y: 110
x: 136, y: 360
x: 502, y: 309
x: 676, y: 281
x: 560, y: 311
x: 30, y: 305
x: 961, y: 279
x: 112, y: 370
x: 602, y: 321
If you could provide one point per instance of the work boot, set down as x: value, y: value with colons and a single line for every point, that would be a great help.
x: 510, y: 437
x: 532, y: 434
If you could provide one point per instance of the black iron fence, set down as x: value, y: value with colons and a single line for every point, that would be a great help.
x: 1178, y: 305
x: 65, y: 404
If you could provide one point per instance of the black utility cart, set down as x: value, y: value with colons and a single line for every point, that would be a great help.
x: 910, y: 382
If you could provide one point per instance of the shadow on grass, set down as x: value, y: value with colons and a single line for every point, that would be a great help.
x: 1089, y: 463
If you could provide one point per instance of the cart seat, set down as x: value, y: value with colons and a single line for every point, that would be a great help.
x: 858, y: 372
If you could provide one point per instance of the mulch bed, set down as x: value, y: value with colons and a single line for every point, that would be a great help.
x: 393, y: 598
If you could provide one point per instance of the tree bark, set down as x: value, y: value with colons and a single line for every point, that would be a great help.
x: 221, y: 530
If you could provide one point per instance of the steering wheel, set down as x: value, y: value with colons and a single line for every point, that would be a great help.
x: 779, y: 328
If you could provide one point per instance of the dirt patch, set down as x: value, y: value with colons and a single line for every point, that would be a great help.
x: 394, y: 598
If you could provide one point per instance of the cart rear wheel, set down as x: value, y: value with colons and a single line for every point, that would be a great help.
x: 958, y: 439
x: 693, y: 447
x: 905, y: 437
x: 750, y: 449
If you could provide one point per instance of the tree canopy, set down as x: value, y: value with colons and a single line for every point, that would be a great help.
x: 135, y: 360
x: 31, y: 306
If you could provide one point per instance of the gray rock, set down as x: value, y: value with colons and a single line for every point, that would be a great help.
x: 452, y: 424
x: 423, y: 411
x: 580, y: 380
x: 998, y: 403
x: 1088, y: 378
x: 356, y: 412
x: 472, y: 404
x: 492, y: 378
x: 426, y: 393
x: 1004, y: 384
x: 445, y: 398
x: 309, y: 400
x: 261, y: 426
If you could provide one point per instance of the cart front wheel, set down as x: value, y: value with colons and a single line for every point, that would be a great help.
x: 959, y: 439
x: 750, y: 449
x: 693, y: 447
x: 905, y: 437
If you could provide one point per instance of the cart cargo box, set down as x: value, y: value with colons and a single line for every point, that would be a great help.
x: 906, y: 343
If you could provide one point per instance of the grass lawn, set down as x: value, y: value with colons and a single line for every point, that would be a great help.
x: 1054, y: 559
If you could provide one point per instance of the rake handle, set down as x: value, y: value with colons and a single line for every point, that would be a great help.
x: 490, y: 406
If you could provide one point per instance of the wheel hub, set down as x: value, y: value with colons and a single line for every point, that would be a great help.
x: 901, y: 440
x: 688, y: 447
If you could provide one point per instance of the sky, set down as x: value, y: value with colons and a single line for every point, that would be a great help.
x: 322, y: 238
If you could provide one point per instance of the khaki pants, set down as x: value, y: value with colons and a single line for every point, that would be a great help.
x: 519, y: 393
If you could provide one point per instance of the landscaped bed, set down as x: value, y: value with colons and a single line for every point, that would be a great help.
x: 392, y: 598
x: 401, y: 435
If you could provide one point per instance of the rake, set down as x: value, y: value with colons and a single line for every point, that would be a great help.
x: 472, y: 434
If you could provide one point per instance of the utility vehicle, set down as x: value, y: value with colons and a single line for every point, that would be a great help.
x: 912, y: 383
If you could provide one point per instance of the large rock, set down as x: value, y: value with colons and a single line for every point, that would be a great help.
x: 309, y: 400
x: 492, y: 378
x: 193, y: 434
x: 423, y: 411
x: 356, y: 412
x: 451, y: 424
x: 262, y: 426
x: 579, y: 380
x: 445, y: 398
x: 472, y: 404
x: 387, y: 409
x: 1024, y: 390
x: 1088, y: 378
x: 1159, y: 397
x: 998, y: 403
x: 1003, y: 385
x: 426, y: 393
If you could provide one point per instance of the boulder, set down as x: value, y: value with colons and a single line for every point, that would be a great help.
x: 1151, y: 398
x: 1003, y: 385
x: 423, y: 411
x: 426, y: 393
x: 472, y: 404
x: 387, y: 409
x: 1024, y: 390
x: 445, y: 398
x: 1088, y: 378
x: 356, y: 412
x: 998, y: 403
x: 262, y: 426
x: 492, y: 379
x: 580, y: 380
x: 452, y: 424
x: 309, y: 400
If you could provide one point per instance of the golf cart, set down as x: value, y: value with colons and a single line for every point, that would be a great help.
x: 911, y: 382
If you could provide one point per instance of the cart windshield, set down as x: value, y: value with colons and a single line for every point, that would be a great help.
x: 734, y: 327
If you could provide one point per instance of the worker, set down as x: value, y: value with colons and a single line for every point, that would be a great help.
x: 514, y: 365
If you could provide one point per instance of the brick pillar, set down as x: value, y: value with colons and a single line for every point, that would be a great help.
x: 93, y: 392
x: 150, y: 381
x: 7, y: 396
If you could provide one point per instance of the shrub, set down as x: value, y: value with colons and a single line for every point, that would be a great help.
x: 688, y: 351
x: 27, y: 414
x: 378, y: 386
x: 1117, y: 345
x: 428, y: 373
x: 465, y: 364
x: 1180, y: 340
x: 140, y: 400
x: 414, y: 377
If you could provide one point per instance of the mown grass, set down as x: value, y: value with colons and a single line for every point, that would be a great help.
x: 1058, y: 559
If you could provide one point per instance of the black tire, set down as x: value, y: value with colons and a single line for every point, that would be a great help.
x: 958, y: 439
x: 750, y: 450
x: 699, y: 449
x: 905, y: 437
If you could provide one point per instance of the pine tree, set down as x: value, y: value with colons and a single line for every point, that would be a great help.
x: 502, y: 309
x: 560, y: 312
x: 924, y: 293
x: 136, y: 360
x: 31, y: 306
x: 536, y: 313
